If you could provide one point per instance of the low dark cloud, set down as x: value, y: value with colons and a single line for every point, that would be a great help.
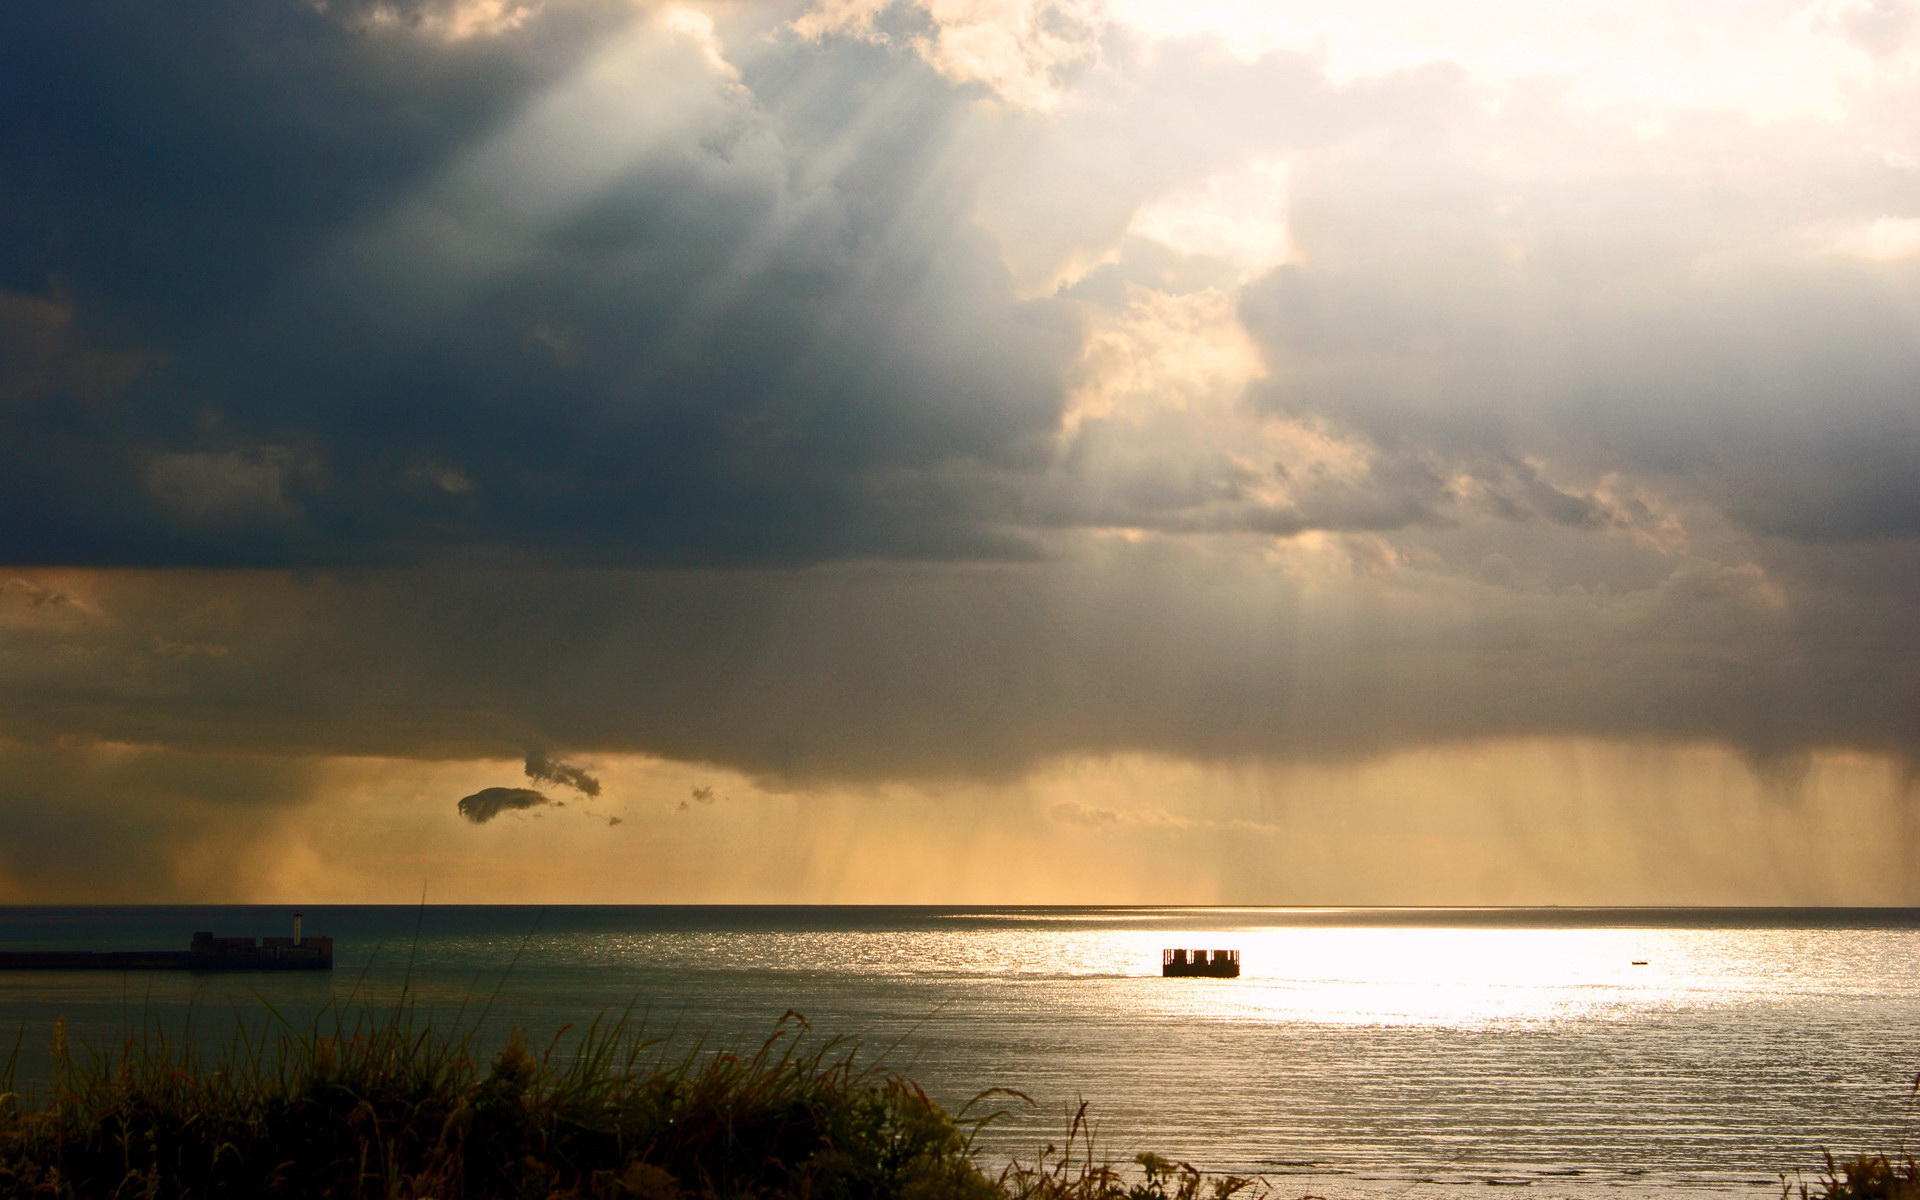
x: 870, y: 672
x: 542, y: 769
x: 488, y: 803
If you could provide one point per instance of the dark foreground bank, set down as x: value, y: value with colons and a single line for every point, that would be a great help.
x: 392, y: 1108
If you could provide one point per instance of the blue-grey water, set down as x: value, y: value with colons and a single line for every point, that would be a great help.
x: 1386, y: 1053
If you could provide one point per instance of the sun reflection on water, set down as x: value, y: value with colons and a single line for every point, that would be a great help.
x: 1423, y: 975
x: 1447, y: 976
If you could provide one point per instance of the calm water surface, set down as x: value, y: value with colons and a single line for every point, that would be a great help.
x: 1387, y: 1053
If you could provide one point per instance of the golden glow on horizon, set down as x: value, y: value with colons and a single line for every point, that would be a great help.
x: 1533, y: 822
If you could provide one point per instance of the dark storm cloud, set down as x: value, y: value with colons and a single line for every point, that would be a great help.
x: 321, y: 285
x: 877, y: 673
x: 488, y: 803
x: 393, y: 295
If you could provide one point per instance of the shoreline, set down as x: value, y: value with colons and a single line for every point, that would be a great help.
x: 384, y: 1104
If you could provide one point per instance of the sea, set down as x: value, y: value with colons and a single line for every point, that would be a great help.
x: 1387, y: 1053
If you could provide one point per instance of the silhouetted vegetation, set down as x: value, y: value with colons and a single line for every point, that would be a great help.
x: 390, y: 1107
x: 1867, y: 1177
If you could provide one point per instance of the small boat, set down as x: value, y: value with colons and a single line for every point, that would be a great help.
x: 1214, y: 964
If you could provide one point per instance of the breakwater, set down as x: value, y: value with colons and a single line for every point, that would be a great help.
x: 204, y: 953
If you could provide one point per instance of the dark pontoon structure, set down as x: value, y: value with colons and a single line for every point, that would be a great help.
x: 1214, y: 964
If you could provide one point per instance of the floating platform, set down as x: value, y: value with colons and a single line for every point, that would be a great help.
x: 1211, y: 964
x: 205, y: 953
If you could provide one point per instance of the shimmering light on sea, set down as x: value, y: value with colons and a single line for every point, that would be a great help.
x: 1413, y: 1053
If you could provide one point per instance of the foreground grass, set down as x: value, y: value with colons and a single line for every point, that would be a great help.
x: 1868, y: 1177
x: 390, y: 1108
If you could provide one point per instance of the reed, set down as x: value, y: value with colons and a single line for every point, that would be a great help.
x: 388, y: 1106
x: 1866, y: 1177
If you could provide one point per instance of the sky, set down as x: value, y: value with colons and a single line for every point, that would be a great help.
x: 960, y: 451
